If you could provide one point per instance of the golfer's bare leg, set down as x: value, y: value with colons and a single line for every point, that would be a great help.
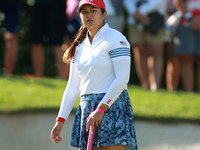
x: 116, y: 147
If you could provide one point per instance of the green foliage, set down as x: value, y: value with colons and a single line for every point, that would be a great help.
x: 22, y: 95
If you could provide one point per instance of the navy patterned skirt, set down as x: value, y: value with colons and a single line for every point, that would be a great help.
x: 117, y: 126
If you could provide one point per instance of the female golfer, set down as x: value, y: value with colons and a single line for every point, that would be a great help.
x: 99, y: 70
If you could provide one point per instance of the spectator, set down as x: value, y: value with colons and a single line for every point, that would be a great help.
x: 173, y: 66
x: 11, y: 9
x: 187, y: 42
x: 147, y: 41
x: 72, y: 27
x: 73, y: 20
x: 115, y: 14
x: 49, y: 19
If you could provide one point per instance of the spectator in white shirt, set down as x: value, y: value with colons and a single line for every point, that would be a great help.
x: 147, y: 46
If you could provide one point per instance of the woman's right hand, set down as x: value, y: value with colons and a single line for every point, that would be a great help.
x: 55, y: 132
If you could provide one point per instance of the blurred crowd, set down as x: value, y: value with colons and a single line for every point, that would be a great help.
x: 164, y: 37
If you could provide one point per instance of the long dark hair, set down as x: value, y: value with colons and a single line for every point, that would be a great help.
x: 70, y: 52
x: 81, y: 35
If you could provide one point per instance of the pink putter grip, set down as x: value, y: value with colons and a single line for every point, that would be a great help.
x: 90, y: 139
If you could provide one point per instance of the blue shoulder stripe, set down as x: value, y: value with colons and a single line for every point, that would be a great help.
x: 73, y: 60
x: 124, y: 51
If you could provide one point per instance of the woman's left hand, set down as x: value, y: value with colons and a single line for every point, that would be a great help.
x: 94, y: 119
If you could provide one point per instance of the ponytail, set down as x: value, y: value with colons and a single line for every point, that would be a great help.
x: 70, y: 52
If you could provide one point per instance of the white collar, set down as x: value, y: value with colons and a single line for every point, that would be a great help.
x: 99, y: 33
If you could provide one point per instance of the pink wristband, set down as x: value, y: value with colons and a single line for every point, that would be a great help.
x: 60, y: 119
x: 100, y: 110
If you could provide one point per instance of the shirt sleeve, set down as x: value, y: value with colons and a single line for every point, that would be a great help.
x: 71, y: 92
x: 122, y: 72
x: 120, y: 57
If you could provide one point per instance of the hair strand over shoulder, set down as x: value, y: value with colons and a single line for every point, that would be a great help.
x: 70, y: 52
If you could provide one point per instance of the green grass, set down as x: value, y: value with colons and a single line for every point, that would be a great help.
x: 165, y: 105
x: 35, y: 95
x: 19, y: 94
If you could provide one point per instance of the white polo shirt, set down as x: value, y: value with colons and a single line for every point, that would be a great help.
x: 102, y: 66
x: 93, y: 61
